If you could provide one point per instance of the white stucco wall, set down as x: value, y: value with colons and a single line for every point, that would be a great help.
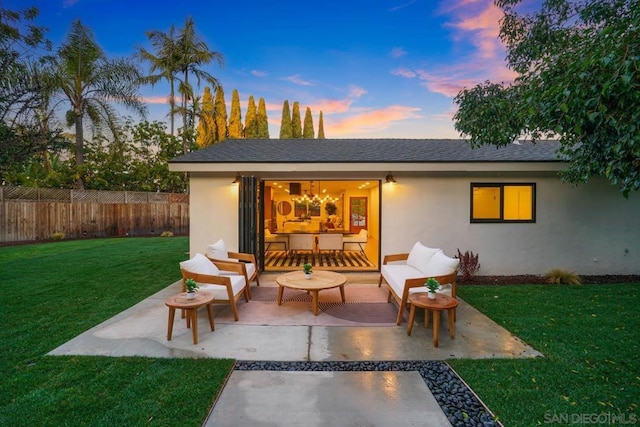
x: 589, y: 229
x: 213, y: 212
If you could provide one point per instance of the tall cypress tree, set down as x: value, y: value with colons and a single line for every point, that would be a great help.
x: 321, y: 127
x: 206, y: 124
x: 263, y: 122
x: 251, y: 120
x: 307, y: 131
x: 296, y: 125
x: 235, y: 119
x: 220, y: 115
x: 285, y: 124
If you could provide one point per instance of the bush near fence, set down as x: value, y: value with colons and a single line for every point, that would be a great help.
x: 33, y: 214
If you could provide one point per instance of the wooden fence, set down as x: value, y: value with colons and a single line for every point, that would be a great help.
x: 32, y: 214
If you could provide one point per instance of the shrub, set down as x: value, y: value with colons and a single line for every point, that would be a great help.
x: 166, y: 234
x: 469, y: 264
x: 560, y: 276
x: 57, y: 235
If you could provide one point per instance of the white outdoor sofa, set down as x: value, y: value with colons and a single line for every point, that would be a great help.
x: 407, y: 273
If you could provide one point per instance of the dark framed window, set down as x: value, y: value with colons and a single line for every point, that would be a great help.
x: 513, y: 202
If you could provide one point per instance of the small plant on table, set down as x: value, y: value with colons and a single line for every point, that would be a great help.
x: 432, y: 286
x: 307, y: 268
x: 192, y: 287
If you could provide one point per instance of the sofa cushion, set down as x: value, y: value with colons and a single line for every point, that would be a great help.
x: 218, y: 250
x: 396, y: 274
x: 200, y: 264
x: 440, y: 265
x: 220, y: 291
x: 419, y: 256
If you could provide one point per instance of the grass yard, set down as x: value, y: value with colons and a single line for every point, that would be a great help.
x: 53, y: 292
x: 590, y: 336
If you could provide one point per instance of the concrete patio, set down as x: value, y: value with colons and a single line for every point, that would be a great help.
x: 268, y: 398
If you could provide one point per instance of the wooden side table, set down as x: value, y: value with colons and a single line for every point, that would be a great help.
x: 190, y: 306
x: 441, y: 303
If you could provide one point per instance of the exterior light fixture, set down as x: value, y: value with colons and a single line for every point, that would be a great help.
x: 389, y: 179
x: 236, y: 181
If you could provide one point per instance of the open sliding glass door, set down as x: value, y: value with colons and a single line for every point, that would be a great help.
x: 250, y: 238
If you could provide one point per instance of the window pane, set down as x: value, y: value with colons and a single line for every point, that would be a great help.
x: 518, y: 202
x: 486, y: 202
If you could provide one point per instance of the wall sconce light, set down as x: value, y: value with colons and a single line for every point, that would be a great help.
x: 236, y: 181
x: 389, y: 179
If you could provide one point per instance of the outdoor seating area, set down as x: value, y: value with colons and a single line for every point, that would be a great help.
x: 406, y: 273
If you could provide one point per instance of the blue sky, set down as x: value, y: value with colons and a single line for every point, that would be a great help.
x: 376, y: 68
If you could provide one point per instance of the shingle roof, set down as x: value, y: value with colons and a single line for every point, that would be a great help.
x: 367, y: 151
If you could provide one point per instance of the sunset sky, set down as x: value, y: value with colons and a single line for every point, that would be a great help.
x: 375, y: 68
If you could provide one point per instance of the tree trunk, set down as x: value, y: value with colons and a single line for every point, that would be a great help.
x: 79, y: 152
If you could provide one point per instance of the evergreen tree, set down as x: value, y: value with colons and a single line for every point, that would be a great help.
x: 308, y: 125
x: 220, y: 116
x: 263, y: 122
x: 321, y: 127
x: 206, y: 124
x: 251, y: 121
x: 235, y: 119
x: 296, y: 125
x: 285, y: 124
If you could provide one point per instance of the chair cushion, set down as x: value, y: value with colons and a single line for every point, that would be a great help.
x: 200, y: 264
x: 218, y: 250
x: 396, y: 274
x: 419, y: 257
x: 220, y: 291
x: 440, y: 264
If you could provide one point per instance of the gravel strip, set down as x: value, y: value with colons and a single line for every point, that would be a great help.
x: 461, y: 406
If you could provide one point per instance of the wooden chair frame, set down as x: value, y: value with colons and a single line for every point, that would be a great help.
x: 239, y: 267
x: 218, y: 280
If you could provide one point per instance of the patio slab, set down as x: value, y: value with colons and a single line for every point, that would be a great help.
x: 266, y: 398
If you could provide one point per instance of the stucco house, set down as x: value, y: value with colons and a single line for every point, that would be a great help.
x: 507, y: 205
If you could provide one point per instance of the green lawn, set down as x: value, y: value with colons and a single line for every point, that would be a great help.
x: 52, y: 292
x: 590, y: 337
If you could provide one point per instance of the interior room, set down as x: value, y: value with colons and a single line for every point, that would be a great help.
x: 331, y: 224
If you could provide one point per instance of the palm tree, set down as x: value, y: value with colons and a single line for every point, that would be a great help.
x: 164, y: 64
x: 193, y: 53
x: 90, y: 81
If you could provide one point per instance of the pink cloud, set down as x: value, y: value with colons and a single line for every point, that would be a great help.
x: 156, y: 99
x: 482, y: 30
x: 371, y: 121
x: 450, y: 80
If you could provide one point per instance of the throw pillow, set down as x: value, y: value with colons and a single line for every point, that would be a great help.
x: 420, y: 255
x: 200, y: 264
x: 440, y: 264
x: 218, y: 250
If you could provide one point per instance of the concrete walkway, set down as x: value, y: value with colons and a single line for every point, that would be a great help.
x: 277, y: 398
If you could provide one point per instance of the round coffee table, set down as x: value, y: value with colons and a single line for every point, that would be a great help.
x: 319, y: 281
x: 442, y: 302
x: 190, y: 306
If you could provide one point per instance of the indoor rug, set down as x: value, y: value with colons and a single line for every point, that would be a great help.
x: 366, y: 305
x: 351, y: 259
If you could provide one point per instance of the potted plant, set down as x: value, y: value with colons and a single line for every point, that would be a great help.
x: 432, y: 286
x: 307, y: 269
x: 192, y: 287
